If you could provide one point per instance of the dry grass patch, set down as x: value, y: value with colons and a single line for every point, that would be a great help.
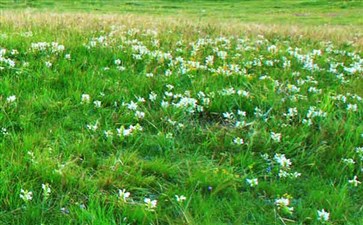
x: 64, y: 23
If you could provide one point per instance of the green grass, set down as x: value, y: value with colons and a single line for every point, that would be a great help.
x: 182, y: 141
x: 308, y: 12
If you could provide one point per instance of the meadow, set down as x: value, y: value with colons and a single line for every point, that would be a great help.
x: 152, y: 112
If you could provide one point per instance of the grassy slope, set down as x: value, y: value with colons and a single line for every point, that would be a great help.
x: 48, y: 120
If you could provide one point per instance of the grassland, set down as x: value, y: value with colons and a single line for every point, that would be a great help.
x: 308, y: 12
x: 151, y: 112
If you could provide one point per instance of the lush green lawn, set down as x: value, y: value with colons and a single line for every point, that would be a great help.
x: 337, y: 12
x: 128, y: 120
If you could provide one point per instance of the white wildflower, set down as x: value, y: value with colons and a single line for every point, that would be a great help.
x: 108, y: 133
x: 354, y: 181
x: 117, y: 61
x: 282, y: 160
x: 283, y: 203
x: 46, y: 190
x: 352, y: 107
x: 85, y: 98
x: 97, y: 104
x: 180, y: 198
x: 238, y: 141
x: 275, y: 136
x: 150, y: 204
x: 323, y: 215
x: 252, y: 182
x: 26, y: 195
x: 123, y: 195
x: 93, y: 127
x: 139, y: 115
x: 11, y: 99
x: 132, y: 106
x: 48, y: 64
x: 152, y: 96
x: 348, y: 161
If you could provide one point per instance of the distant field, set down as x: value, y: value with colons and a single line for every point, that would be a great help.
x: 181, y: 112
x: 308, y: 12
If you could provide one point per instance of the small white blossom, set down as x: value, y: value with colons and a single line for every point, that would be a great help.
x: 359, y: 150
x: 64, y: 210
x: 275, y: 136
x: 352, y: 107
x: 152, y: 96
x: 132, y: 106
x: 282, y: 160
x: 168, y: 73
x: 150, y: 204
x: 85, y: 98
x: 252, y: 182
x: 283, y: 203
x: 26, y: 195
x: 97, y: 104
x: 121, y: 68
x: 48, y: 64
x: 238, y: 141
x: 11, y: 99
x: 169, y: 135
x: 93, y: 127
x: 241, y: 113
x: 272, y: 49
x: 123, y: 132
x: 323, y: 215
x: 141, y: 99
x: 139, y: 115
x: 228, y: 116
x: 46, y: 190
x: 170, y: 87
x: 117, y: 61
x: 180, y: 198
x: 354, y: 181
x: 164, y: 104
x: 291, y: 112
x: 108, y: 133
x: 222, y: 54
x: 4, y: 131
x: 348, y: 161
x: 123, y: 195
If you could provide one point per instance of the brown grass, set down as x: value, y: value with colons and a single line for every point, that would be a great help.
x: 83, y: 22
